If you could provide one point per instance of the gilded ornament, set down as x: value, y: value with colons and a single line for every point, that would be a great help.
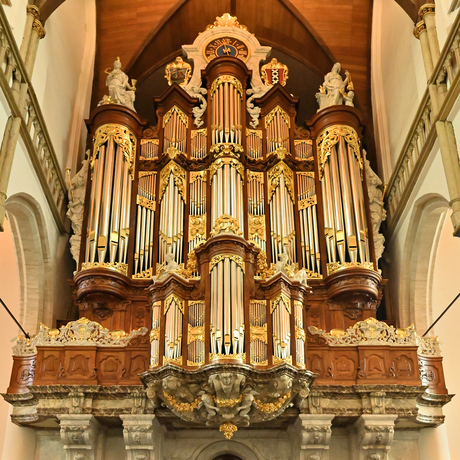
x: 227, y: 149
x: 280, y: 152
x: 177, y: 361
x: 172, y: 152
x: 228, y: 428
x: 155, y: 334
x: 181, y: 406
x: 226, y: 20
x: 330, y: 137
x: 218, y: 258
x: 146, y: 274
x: 192, y: 265
x: 259, y: 333
x: 277, y: 360
x: 178, y: 174
x: 232, y: 402
x: 175, y: 110
x: 307, y: 202
x: 226, y: 79
x: 216, y: 165
x: 226, y: 224
x: 419, y: 28
x: 269, y: 408
x: 222, y: 357
x: 197, y: 227
x: 117, y: 266
x: 336, y: 266
x: 145, y: 202
x: 38, y: 27
x: 256, y: 226
x: 274, y: 72
x: 258, y: 176
x: 300, y: 334
x: 178, y: 72
x: 277, y: 300
x: 274, y: 175
x: 177, y: 301
x: 195, y: 333
x: 262, y: 266
x: 122, y: 136
x: 197, y: 175
x: 270, y: 116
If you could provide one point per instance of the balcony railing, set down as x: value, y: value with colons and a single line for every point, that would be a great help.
x: 442, y: 91
x: 20, y: 96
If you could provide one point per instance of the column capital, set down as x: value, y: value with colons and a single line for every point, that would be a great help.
x: 141, y: 433
x: 79, y: 435
x: 315, y: 435
x: 38, y: 27
x: 427, y: 8
x: 33, y: 10
x: 419, y: 28
x: 374, y: 434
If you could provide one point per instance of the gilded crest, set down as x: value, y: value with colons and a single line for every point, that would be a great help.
x: 274, y: 72
x: 178, y: 72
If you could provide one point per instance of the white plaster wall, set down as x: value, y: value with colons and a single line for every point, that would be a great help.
x: 398, y: 80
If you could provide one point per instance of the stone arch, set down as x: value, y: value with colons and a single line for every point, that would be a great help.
x: 221, y: 448
x: 33, y: 258
x: 419, y: 257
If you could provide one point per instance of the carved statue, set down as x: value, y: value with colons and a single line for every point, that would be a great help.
x: 281, y: 265
x: 170, y: 266
x: 378, y: 213
x: 253, y: 110
x: 120, y: 91
x: 76, y: 206
x: 334, y: 89
x: 302, y: 276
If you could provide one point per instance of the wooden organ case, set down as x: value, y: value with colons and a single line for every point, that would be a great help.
x: 217, y: 250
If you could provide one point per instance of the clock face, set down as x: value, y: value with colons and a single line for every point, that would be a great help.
x: 226, y: 46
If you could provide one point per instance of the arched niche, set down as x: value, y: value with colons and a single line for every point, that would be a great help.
x: 227, y: 450
x: 419, y: 257
x: 33, y: 259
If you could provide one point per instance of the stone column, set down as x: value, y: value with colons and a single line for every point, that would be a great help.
x: 315, y: 435
x: 420, y: 32
x: 373, y: 435
x: 450, y: 160
x: 10, y: 139
x: 142, y: 435
x: 79, y: 436
x: 37, y: 33
x: 426, y: 12
x: 32, y: 13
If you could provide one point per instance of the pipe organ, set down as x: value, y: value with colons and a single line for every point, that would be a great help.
x: 237, y: 237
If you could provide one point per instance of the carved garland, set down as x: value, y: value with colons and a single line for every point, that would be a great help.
x: 220, y: 257
x: 179, y: 179
x: 274, y: 176
x: 329, y: 137
x: 226, y: 161
x: 227, y: 79
x: 122, y: 136
x: 277, y: 300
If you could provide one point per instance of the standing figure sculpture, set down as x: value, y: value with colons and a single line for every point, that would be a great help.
x: 76, y: 207
x: 120, y: 91
x: 335, y: 90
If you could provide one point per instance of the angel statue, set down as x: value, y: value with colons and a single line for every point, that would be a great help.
x: 335, y: 90
x: 120, y: 91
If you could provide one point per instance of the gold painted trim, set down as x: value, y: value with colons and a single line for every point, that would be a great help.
x: 276, y: 301
x: 329, y: 137
x: 174, y: 109
x: 271, y: 115
x: 333, y: 267
x: 274, y: 175
x: 227, y: 79
x: 177, y: 300
x: 179, y: 179
x: 220, y: 257
x: 307, y: 202
x: 117, y: 266
x: 122, y: 136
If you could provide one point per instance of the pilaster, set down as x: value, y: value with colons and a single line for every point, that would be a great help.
x: 373, y: 435
x: 142, y: 435
x: 315, y: 435
x: 79, y: 436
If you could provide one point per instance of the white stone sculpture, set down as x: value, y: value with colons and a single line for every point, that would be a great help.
x: 170, y: 266
x: 253, y: 110
x: 76, y: 206
x: 301, y: 276
x: 280, y: 266
x: 378, y: 213
x: 120, y: 91
x: 198, y: 111
x: 335, y: 90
